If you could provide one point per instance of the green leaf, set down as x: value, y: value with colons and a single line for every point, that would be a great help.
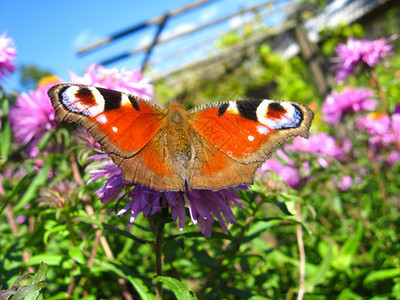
x: 39, y: 180
x: 349, y: 249
x: 5, y: 133
x: 214, y: 235
x: 124, y: 233
x: 41, y: 272
x: 76, y: 254
x: 17, y: 189
x: 257, y: 297
x: 29, y: 292
x: 319, y: 276
x: 379, y: 275
x: 39, y: 278
x: 178, y: 288
x: 50, y: 259
x: 88, y: 220
x: 57, y: 228
x: 128, y: 275
x: 282, y: 206
x: 348, y: 294
x: 5, y: 145
x: 44, y: 140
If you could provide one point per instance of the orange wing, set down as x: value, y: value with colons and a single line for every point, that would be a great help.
x: 123, y: 124
x: 248, y: 130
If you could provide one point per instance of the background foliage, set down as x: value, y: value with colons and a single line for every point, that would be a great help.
x: 351, y: 235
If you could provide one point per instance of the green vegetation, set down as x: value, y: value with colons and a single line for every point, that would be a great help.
x: 350, y: 231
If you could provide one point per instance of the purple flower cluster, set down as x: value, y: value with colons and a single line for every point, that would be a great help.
x: 131, y: 82
x: 32, y: 117
x: 288, y: 170
x: 293, y: 174
x: 203, y: 205
x: 360, y: 52
x: 344, y: 183
x: 384, y: 132
x: 350, y: 100
x: 8, y: 55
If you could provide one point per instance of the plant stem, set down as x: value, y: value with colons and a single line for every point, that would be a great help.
x: 382, y: 96
x: 158, y: 228
x: 378, y: 172
x: 14, y: 229
x: 234, y: 245
x: 300, y: 242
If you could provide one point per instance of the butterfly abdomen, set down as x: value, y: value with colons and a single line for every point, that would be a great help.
x: 179, y: 143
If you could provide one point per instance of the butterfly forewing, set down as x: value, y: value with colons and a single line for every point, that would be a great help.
x: 248, y: 130
x: 123, y: 124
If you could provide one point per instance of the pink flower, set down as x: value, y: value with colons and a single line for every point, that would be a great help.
x: 130, y: 82
x: 318, y: 144
x: 32, y: 117
x: 384, y: 133
x: 379, y: 127
x: 293, y: 174
x: 359, y: 52
x: 344, y: 183
x: 289, y: 173
x: 8, y: 55
x: 350, y: 100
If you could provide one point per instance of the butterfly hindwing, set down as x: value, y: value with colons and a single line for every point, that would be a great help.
x: 248, y: 130
x: 122, y: 123
x: 215, y: 169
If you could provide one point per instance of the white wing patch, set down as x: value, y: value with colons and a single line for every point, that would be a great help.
x: 291, y: 118
x: 232, y: 108
x: 125, y: 100
x: 102, y: 119
x: 74, y: 104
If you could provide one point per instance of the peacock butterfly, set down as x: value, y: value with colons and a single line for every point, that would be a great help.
x: 212, y: 146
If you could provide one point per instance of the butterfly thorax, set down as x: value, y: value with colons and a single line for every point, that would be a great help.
x: 178, y: 139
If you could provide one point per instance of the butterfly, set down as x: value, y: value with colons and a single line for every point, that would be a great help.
x: 212, y: 146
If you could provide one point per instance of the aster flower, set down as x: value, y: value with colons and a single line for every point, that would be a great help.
x: 318, y: 144
x: 344, y: 183
x: 289, y: 173
x: 130, y: 82
x: 61, y: 194
x: 8, y: 55
x: 32, y: 117
x: 203, y: 205
x: 384, y: 132
x: 350, y: 100
x: 360, y: 52
x: 293, y: 174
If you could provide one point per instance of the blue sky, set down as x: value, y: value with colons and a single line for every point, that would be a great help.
x: 48, y: 33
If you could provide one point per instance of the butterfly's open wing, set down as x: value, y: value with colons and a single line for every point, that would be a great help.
x: 123, y: 124
x: 246, y: 132
x: 129, y: 129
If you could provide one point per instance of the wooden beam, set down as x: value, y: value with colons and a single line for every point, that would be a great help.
x: 156, y: 20
x: 187, y: 32
x: 256, y: 40
x: 155, y: 40
x: 312, y: 57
